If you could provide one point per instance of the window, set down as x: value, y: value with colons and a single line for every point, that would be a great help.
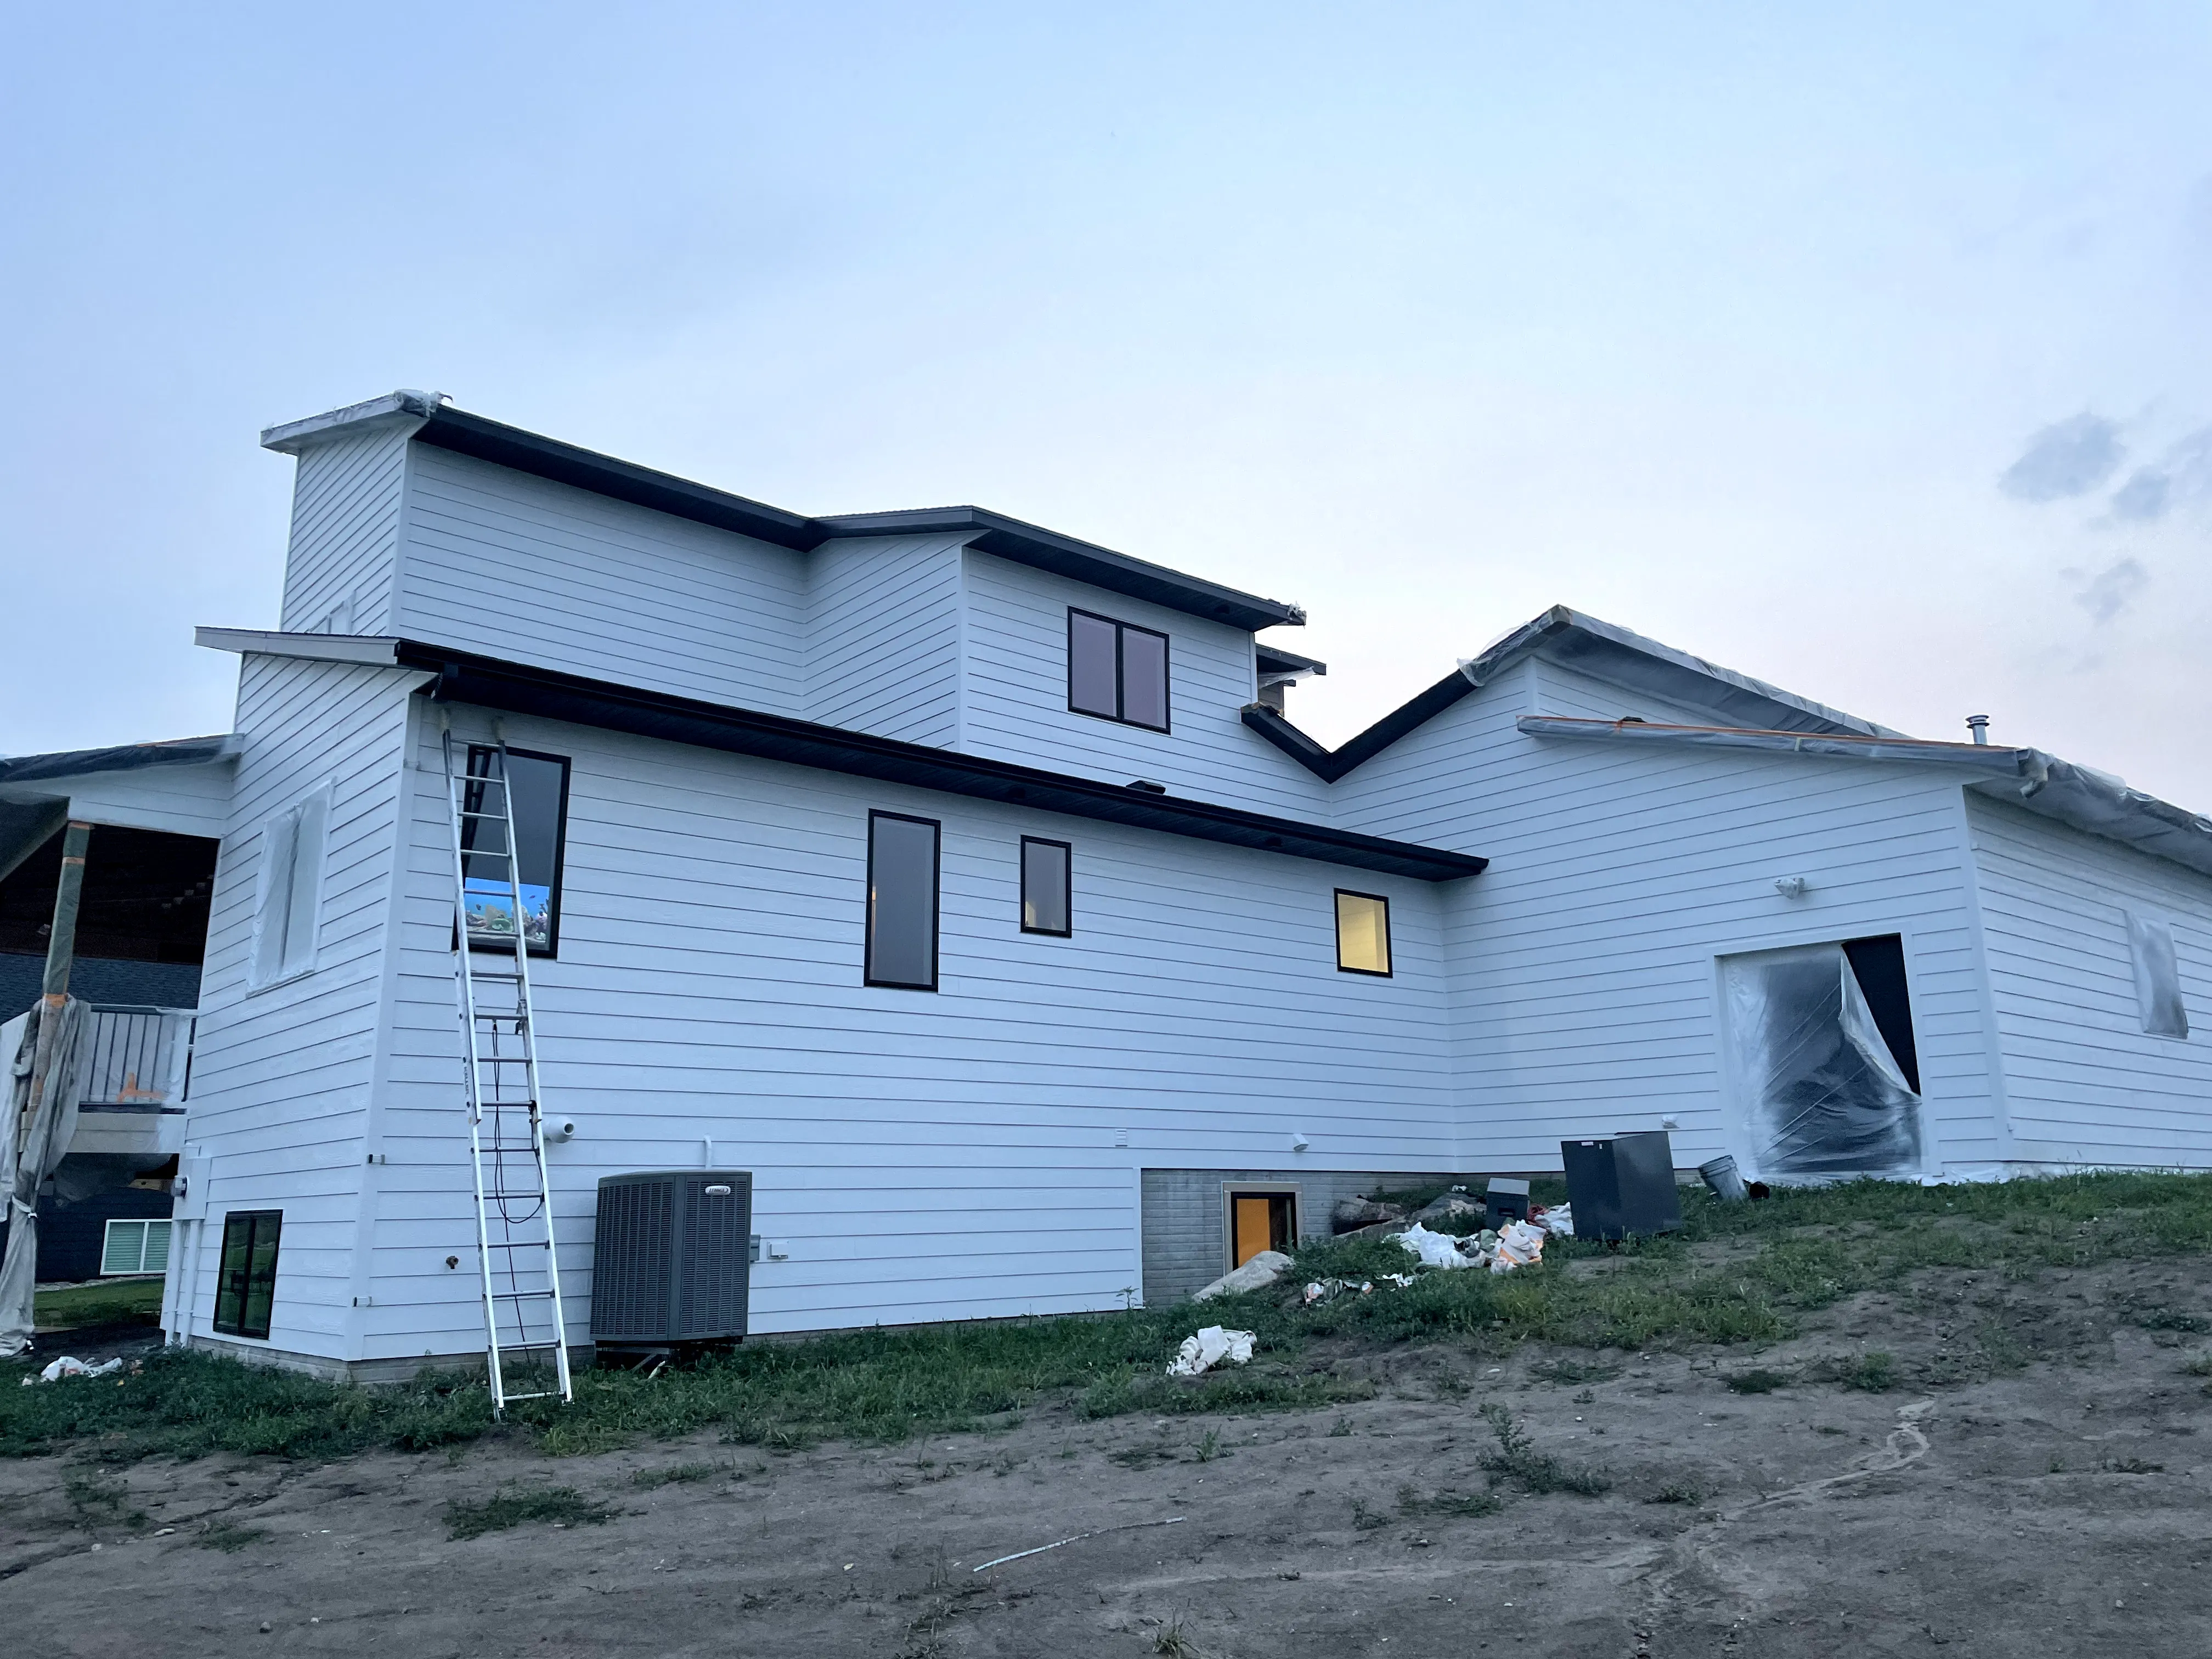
x: 902, y: 948
x: 539, y: 786
x: 245, y: 1283
x: 285, y: 918
x: 2158, y: 978
x: 1045, y: 902
x: 1363, y: 933
x: 135, y: 1246
x: 1116, y: 671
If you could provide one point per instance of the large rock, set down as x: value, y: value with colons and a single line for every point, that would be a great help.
x: 1256, y: 1275
x: 1452, y: 1207
x: 1353, y: 1212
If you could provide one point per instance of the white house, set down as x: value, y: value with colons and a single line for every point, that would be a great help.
x: 1130, y: 947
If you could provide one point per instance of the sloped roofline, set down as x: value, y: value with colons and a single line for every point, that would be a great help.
x: 436, y: 422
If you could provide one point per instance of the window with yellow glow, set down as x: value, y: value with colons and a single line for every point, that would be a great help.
x: 1363, y: 933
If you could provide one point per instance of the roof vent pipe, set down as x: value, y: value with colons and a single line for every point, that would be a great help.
x: 1979, y: 726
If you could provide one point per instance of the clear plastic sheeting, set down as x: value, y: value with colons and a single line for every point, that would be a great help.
x: 2158, y: 977
x: 1821, y: 1092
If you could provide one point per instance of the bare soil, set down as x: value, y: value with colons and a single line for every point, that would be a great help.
x: 2040, y: 1481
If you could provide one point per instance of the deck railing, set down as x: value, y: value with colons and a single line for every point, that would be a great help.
x: 140, y: 1059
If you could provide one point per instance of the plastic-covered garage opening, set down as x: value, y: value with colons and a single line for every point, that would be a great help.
x: 1822, y: 1062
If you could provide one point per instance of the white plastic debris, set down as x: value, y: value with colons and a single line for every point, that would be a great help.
x: 1559, y: 1221
x: 68, y: 1366
x: 1434, y: 1249
x: 1263, y: 1269
x: 1209, y: 1347
x: 1519, y: 1245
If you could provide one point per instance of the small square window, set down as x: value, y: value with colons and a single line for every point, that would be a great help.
x: 245, y: 1281
x: 1117, y: 671
x: 1363, y: 933
x: 1046, y: 908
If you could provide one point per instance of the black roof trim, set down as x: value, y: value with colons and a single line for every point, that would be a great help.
x: 1330, y: 764
x: 125, y: 757
x: 464, y: 433
x: 1273, y: 660
x: 518, y: 687
x: 584, y: 469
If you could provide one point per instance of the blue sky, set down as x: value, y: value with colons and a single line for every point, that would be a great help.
x: 1865, y: 349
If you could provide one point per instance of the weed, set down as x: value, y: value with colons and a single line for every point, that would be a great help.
x: 1341, y: 1428
x: 2200, y: 1366
x: 1871, y: 1373
x: 99, y: 1498
x: 1517, y: 1459
x: 2165, y: 1319
x: 1170, y: 1640
x: 676, y: 1473
x: 1678, y: 1491
x: 1209, y: 1447
x: 1757, y: 1382
x: 1366, y: 1519
x: 229, y: 1537
x: 562, y: 1505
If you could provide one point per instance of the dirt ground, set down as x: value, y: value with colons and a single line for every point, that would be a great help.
x: 1983, y: 1506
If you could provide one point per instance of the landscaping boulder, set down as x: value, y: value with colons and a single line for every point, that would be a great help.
x: 1262, y: 1270
x: 1452, y: 1207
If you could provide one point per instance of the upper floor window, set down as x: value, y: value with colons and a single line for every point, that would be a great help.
x: 1363, y: 933
x: 1117, y: 671
x: 537, y: 792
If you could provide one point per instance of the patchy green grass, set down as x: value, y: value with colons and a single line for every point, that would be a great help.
x: 131, y: 1300
x: 1740, y: 1274
x: 1516, y: 1461
x: 563, y: 1506
x: 1756, y: 1381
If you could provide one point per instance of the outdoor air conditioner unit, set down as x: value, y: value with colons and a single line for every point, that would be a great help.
x: 670, y: 1265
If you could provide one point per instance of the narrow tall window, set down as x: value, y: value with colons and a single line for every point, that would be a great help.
x: 1363, y: 933
x: 539, y: 786
x: 901, y: 945
x: 1117, y: 671
x: 288, y: 913
x: 1046, y: 908
x: 246, y: 1282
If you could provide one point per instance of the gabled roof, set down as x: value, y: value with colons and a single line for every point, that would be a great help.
x: 446, y: 427
x: 125, y: 757
x: 519, y: 688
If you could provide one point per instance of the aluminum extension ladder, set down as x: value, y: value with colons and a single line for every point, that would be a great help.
x: 499, y: 1061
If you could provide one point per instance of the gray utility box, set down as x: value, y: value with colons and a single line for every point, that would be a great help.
x: 1624, y: 1187
x: 670, y: 1263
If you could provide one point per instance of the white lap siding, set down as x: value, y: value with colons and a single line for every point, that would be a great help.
x: 1583, y: 991
x: 282, y: 1073
x: 512, y: 566
x: 883, y: 637
x: 345, y: 529
x: 2085, y: 1082
x: 928, y: 1156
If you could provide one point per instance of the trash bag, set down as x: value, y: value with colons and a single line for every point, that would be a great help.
x: 1209, y: 1347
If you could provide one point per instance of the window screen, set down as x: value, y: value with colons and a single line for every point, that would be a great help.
x: 902, y: 945
x: 539, y: 786
x: 2158, y: 978
x: 135, y: 1246
x: 246, y: 1285
x: 284, y: 924
x: 1363, y: 933
x: 1117, y: 671
x: 1045, y: 870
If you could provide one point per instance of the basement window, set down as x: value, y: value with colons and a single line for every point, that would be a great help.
x: 1261, y: 1221
x: 1046, y: 907
x: 902, y: 943
x: 245, y: 1281
x: 2158, y: 978
x: 1363, y: 933
x: 135, y: 1246
x: 1117, y: 671
x: 539, y: 786
x: 286, y: 914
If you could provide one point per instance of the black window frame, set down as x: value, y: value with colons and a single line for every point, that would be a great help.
x: 1122, y: 630
x: 1067, y: 886
x: 936, y: 907
x: 473, y: 800
x: 235, y: 1287
x: 1389, y: 944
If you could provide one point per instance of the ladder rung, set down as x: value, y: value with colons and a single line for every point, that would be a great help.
x: 542, y: 1393
x: 519, y: 1296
